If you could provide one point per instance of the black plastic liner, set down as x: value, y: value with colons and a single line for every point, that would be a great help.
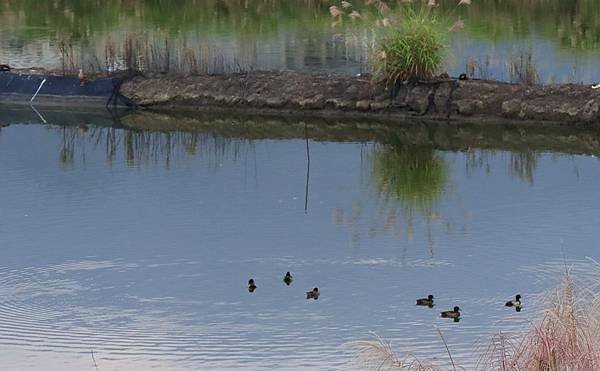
x: 13, y: 83
x: 30, y: 86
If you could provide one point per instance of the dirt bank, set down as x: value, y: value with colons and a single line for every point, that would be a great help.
x: 286, y: 91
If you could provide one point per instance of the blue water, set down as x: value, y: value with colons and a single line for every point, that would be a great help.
x: 144, y: 257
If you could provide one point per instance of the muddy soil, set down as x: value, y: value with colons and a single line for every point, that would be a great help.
x: 320, y: 94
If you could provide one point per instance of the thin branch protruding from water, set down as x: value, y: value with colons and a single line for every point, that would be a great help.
x: 307, y: 168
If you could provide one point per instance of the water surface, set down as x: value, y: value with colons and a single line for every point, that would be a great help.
x: 135, y: 240
x: 227, y: 34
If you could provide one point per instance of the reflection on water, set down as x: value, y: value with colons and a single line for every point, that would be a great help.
x: 414, y: 176
x: 140, y: 148
x: 136, y: 236
x: 521, y: 164
x: 408, y: 182
x: 298, y: 34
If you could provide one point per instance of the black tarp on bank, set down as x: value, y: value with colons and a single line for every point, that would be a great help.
x: 13, y: 83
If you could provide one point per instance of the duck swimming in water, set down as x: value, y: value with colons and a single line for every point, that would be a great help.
x: 4, y: 68
x: 515, y: 303
x: 455, y: 313
x: 251, y: 285
x: 428, y: 301
x: 314, y: 294
x: 288, y: 279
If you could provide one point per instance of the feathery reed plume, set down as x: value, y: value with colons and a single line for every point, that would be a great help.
x: 457, y: 26
x: 380, y: 5
x: 499, y: 354
x: 566, y: 338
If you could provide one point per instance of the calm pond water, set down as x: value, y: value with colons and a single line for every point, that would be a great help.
x: 135, y: 236
x: 229, y: 34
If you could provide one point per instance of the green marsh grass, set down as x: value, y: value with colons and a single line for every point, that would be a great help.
x: 413, y: 50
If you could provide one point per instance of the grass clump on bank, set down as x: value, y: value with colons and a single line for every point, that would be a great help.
x: 410, y: 43
x: 413, y: 50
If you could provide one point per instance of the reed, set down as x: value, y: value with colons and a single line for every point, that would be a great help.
x: 410, y: 43
x: 67, y: 55
x: 566, y: 337
x: 523, y: 70
x: 377, y: 354
x: 143, y: 54
x: 413, y: 50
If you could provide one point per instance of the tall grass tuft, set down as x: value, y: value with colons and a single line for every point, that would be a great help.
x: 567, y: 337
x: 137, y: 53
x: 523, y: 70
x: 378, y: 354
x: 412, y: 51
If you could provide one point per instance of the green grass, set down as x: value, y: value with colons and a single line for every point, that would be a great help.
x: 414, y: 49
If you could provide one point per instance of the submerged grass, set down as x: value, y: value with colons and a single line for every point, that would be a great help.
x: 567, y: 337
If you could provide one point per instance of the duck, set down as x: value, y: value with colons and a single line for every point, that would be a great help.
x: 288, y: 279
x: 251, y: 285
x: 314, y: 294
x: 463, y: 77
x: 4, y: 68
x: 515, y: 303
x: 428, y: 301
x: 455, y: 313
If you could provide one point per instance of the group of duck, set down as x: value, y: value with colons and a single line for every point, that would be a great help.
x: 427, y: 302
x: 287, y: 279
x: 455, y: 312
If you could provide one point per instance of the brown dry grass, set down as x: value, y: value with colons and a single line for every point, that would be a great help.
x: 377, y: 354
x: 566, y: 337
